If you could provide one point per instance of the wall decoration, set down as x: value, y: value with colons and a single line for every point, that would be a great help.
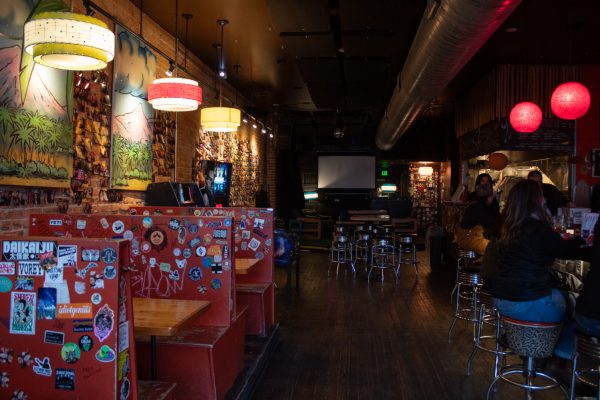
x: 36, y: 133
x: 134, y: 70
x: 239, y: 151
x: 163, y: 147
x: 91, y: 119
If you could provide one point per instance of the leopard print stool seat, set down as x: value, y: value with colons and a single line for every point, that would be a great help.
x: 530, y: 340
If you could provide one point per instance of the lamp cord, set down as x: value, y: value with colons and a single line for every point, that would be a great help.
x: 176, y: 38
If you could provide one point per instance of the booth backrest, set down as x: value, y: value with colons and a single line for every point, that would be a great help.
x: 67, y: 319
x: 176, y: 256
x: 253, y: 234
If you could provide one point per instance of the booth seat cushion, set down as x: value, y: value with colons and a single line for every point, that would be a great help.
x: 149, y: 390
x: 252, y: 287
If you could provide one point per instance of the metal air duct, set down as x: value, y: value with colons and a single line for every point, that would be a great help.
x: 449, y: 34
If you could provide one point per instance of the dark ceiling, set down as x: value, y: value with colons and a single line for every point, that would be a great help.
x: 324, y: 64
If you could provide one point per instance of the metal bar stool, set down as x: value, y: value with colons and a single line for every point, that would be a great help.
x: 468, y: 283
x: 488, y: 315
x: 588, y: 349
x: 466, y: 258
x: 341, y: 253
x: 382, y: 257
x: 407, y: 254
x: 529, y: 340
x: 361, y: 248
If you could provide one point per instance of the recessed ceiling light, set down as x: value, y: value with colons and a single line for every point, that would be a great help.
x: 511, y: 29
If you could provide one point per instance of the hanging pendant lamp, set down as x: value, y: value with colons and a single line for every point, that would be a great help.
x: 570, y: 100
x: 175, y: 94
x: 220, y: 119
x: 69, y: 41
x: 525, y: 117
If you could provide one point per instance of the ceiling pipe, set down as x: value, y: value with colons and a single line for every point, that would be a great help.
x: 449, y: 35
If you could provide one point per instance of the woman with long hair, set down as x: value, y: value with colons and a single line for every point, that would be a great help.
x: 517, y: 266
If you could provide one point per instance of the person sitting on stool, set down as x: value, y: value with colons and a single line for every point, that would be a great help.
x: 517, y: 266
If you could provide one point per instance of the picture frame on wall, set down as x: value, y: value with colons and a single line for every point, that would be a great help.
x: 596, y: 163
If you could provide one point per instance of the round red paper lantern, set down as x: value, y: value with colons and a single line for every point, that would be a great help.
x: 497, y: 161
x: 570, y: 100
x: 525, y: 117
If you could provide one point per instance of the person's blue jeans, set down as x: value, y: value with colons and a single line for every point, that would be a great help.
x: 551, y: 308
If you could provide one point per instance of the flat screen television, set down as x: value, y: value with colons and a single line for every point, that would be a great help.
x: 214, y: 179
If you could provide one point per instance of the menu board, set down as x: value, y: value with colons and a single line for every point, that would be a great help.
x: 65, y: 312
x: 553, y: 137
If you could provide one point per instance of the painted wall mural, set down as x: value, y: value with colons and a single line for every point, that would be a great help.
x: 134, y: 71
x: 36, y: 105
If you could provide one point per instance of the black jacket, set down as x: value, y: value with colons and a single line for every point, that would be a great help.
x: 480, y: 213
x: 522, y: 270
x: 554, y: 198
x: 588, y: 302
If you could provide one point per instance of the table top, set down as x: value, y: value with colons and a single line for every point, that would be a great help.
x: 368, y: 212
x: 369, y: 217
x: 164, y: 317
x: 244, y: 265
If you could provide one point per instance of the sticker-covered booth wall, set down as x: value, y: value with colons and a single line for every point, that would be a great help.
x: 64, y: 331
x: 253, y: 234
x: 179, y: 257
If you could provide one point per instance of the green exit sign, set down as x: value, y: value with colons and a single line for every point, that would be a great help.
x: 384, y: 173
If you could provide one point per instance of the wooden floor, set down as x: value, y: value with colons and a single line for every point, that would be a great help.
x: 344, y: 338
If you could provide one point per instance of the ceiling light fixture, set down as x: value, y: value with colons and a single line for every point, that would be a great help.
x: 254, y: 125
x: 220, y: 119
x: 68, y: 41
x: 525, y: 117
x: 175, y: 94
x: 570, y: 100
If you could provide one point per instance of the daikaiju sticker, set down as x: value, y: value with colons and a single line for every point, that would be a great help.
x: 22, y: 250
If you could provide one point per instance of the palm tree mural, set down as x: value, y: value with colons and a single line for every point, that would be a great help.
x: 35, y: 107
x: 135, y: 68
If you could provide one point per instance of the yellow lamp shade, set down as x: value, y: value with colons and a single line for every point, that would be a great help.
x: 220, y: 119
x: 69, y: 41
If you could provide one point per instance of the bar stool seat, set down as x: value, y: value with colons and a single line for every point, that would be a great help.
x: 362, y: 248
x: 466, y: 287
x: 586, y: 363
x: 407, y: 253
x: 382, y: 257
x: 529, y: 340
x: 341, y: 253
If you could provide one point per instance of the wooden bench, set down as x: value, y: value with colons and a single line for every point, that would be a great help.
x: 148, y: 390
x: 207, y: 359
x: 257, y: 298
